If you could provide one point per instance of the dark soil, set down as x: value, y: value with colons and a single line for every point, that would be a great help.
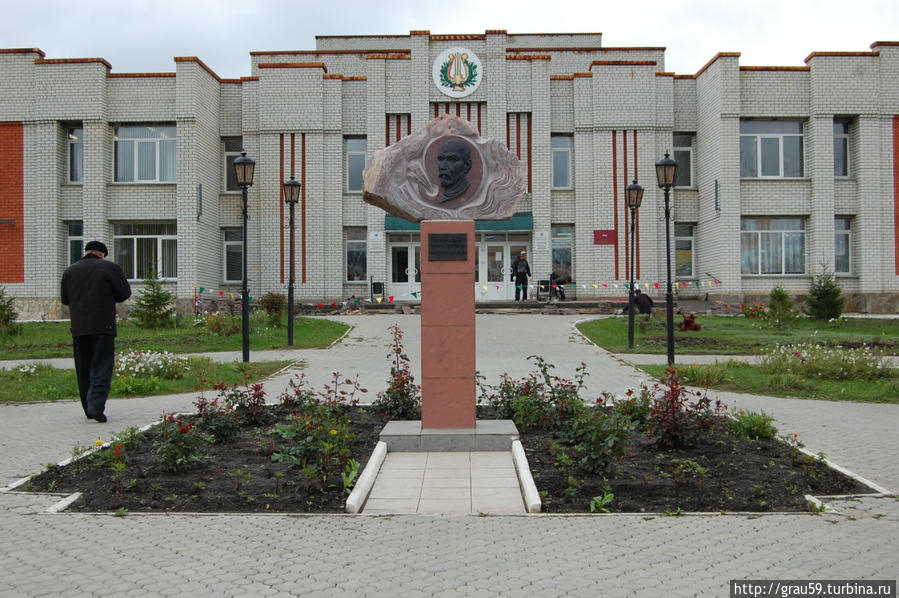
x: 741, y: 475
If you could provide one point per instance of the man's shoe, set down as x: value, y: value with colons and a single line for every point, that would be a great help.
x: 97, y: 416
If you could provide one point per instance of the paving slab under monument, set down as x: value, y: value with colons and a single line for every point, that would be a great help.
x: 457, y: 482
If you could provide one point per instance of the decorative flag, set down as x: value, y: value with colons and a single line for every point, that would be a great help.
x: 616, y: 286
x: 606, y: 285
x: 519, y: 287
x: 230, y: 294
x: 201, y: 290
x: 221, y: 293
x: 357, y: 302
x: 626, y: 285
x: 333, y: 305
x: 390, y: 298
x: 250, y: 299
x: 320, y: 305
x: 379, y: 299
x: 657, y: 285
x: 485, y: 287
x: 697, y: 283
x: 415, y: 295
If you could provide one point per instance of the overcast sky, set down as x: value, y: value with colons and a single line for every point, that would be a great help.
x: 144, y: 35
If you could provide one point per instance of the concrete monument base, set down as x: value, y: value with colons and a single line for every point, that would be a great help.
x: 487, y: 435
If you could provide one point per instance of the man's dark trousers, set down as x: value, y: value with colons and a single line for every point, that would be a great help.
x: 94, y: 360
x: 521, y: 287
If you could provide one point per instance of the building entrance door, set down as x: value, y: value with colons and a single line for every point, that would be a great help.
x: 405, y: 267
x: 497, y: 253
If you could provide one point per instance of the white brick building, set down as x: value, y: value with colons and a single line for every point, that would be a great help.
x: 784, y: 170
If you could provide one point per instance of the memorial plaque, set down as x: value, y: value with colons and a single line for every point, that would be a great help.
x: 447, y: 247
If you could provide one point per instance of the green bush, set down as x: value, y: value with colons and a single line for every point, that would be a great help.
x: 274, y: 305
x: 599, y: 440
x: 7, y: 313
x: 154, y: 307
x: 179, y: 443
x: 752, y: 425
x: 780, y: 309
x: 825, y: 300
x: 402, y: 399
x: 222, y: 324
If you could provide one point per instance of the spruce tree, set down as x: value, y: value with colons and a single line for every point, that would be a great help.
x: 825, y: 300
x: 154, y: 306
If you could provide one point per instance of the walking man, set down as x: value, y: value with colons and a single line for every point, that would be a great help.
x: 520, y: 272
x: 91, y: 287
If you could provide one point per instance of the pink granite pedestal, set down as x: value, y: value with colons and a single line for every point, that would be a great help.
x: 448, y: 390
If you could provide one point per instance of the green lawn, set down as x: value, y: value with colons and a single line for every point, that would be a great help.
x: 51, y: 384
x: 42, y: 340
x: 738, y: 335
x: 742, y: 377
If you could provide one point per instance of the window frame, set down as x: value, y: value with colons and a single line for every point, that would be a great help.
x: 347, y: 155
x: 692, y: 239
x: 361, y: 240
x: 76, y: 238
x: 675, y: 148
x: 847, y: 233
x: 843, y: 137
x: 137, y: 142
x: 562, y: 240
x: 759, y: 146
x: 160, y: 249
x: 73, y: 142
x: 771, y: 233
x: 569, y: 151
x: 228, y: 157
x: 231, y: 243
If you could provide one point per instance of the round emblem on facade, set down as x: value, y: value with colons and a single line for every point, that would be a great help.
x: 457, y: 72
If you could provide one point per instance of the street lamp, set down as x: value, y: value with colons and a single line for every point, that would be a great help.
x: 243, y: 171
x: 666, y: 169
x: 291, y: 197
x: 633, y: 195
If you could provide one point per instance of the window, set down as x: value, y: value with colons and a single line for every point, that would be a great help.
x: 561, y: 147
x: 75, y: 137
x: 840, y: 149
x: 356, y: 255
x: 683, y: 155
x: 683, y: 250
x: 770, y: 149
x: 562, y: 243
x: 76, y: 241
x: 772, y: 246
x: 519, y: 131
x: 233, y: 259
x: 355, y: 163
x: 232, y: 148
x: 842, y: 245
x: 141, y: 248
x: 145, y: 154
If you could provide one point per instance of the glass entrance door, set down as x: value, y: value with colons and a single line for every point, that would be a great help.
x: 497, y: 252
x: 405, y: 268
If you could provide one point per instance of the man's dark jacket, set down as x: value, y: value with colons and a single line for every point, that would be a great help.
x: 91, y: 287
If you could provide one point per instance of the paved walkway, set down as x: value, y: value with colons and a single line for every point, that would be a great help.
x: 446, y: 555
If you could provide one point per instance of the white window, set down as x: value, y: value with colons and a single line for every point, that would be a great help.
x: 141, y: 248
x: 75, y: 137
x: 144, y: 154
x: 683, y: 155
x: 231, y: 149
x: 355, y: 163
x: 561, y: 148
x: 840, y: 149
x: 76, y: 241
x: 772, y: 246
x: 842, y: 245
x: 233, y: 254
x: 683, y: 250
x: 356, y: 255
x: 771, y: 149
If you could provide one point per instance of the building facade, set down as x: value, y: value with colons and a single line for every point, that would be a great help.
x: 784, y: 172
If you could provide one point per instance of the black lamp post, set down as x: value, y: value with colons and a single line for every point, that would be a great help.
x: 291, y: 196
x: 666, y: 169
x: 633, y: 195
x: 243, y: 171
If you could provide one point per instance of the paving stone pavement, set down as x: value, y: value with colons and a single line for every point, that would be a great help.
x: 418, y: 555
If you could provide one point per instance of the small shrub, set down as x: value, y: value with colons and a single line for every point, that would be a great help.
x: 316, y: 439
x: 179, y: 443
x: 298, y: 394
x: 825, y: 300
x: 402, y: 399
x: 599, y: 440
x: 706, y: 376
x: 643, y: 322
x: 217, y: 419
x: 154, y: 306
x: 274, y: 305
x: 752, y: 425
x: 780, y: 311
x: 753, y: 311
x: 7, y: 313
x: 676, y: 422
x: 247, y: 402
x: 635, y: 406
x: 222, y: 324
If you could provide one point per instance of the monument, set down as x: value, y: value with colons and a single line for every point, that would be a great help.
x: 446, y: 176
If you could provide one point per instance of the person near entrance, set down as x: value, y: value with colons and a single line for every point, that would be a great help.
x: 520, y: 272
x: 643, y: 302
x: 91, y: 287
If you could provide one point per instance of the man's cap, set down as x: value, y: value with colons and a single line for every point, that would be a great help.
x: 523, y: 253
x: 96, y: 246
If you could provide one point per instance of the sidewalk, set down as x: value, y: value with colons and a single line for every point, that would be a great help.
x: 450, y: 555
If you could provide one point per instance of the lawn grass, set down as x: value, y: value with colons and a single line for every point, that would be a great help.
x: 738, y: 335
x: 742, y: 377
x: 52, y: 384
x: 43, y: 340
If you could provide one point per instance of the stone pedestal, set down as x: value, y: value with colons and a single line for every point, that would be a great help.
x: 448, y: 388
